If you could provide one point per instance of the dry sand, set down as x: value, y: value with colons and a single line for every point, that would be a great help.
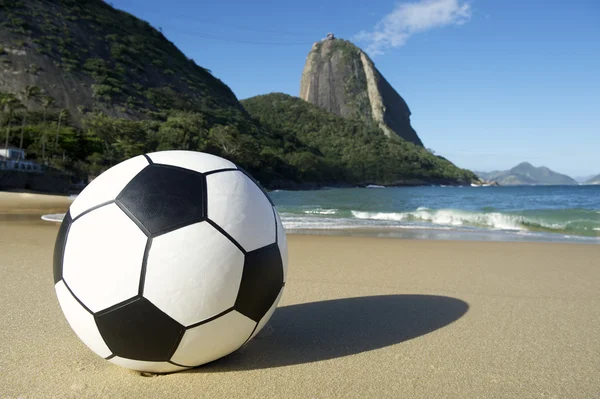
x: 359, y: 318
x: 32, y: 204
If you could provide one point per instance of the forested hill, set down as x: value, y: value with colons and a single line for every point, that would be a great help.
x: 88, y: 56
x: 349, y: 150
x: 84, y: 86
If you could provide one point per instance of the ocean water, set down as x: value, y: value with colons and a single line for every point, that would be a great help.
x: 524, y: 213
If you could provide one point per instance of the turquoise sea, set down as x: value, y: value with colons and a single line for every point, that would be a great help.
x: 517, y: 213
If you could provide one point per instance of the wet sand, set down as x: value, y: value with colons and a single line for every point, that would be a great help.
x: 359, y: 318
x: 32, y: 204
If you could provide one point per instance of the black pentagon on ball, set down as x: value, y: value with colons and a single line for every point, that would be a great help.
x: 59, y: 247
x: 136, y: 329
x: 162, y: 198
x: 262, y: 280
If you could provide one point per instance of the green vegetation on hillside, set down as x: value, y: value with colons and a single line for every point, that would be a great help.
x: 297, y: 144
x: 348, y: 150
x: 99, y: 142
x: 119, y: 63
x: 133, y: 67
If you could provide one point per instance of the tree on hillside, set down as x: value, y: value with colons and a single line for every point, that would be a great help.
x: 183, y: 130
x: 225, y: 138
x: 10, y: 103
x: 47, y: 102
x: 29, y: 93
x: 61, y: 115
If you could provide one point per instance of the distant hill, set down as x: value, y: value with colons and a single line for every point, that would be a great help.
x: 593, y: 180
x: 527, y: 174
x: 583, y: 179
x: 485, y: 175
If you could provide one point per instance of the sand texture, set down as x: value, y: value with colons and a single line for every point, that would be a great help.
x: 359, y: 318
x: 32, y: 204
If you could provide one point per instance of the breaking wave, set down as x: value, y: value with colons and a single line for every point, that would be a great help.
x: 320, y: 211
x: 580, y: 222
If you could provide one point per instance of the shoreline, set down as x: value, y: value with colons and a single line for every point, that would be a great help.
x: 28, y: 203
x: 447, y: 235
x: 27, y: 206
x: 414, y: 233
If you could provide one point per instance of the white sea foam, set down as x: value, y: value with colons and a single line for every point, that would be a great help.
x: 295, y: 222
x: 54, y: 217
x: 398, y: 217
x: 320, y: 211
x: 449, y: 217
x: 291, y: 221
x: 444, y: 221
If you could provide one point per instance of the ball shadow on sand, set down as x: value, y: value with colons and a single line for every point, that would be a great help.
x: 311, y: 332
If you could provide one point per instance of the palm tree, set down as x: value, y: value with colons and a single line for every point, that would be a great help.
x: 47, y: 102
x: 10, y: 103
x: 28, y: 93
x: 61, y: 114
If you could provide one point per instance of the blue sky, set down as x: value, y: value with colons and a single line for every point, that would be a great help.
x: 490, y: 83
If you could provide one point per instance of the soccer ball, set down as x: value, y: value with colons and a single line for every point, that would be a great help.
x: 170, y: 260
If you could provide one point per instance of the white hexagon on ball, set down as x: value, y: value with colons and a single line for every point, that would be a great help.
x: 197, y: 161
x: 240, y: 208
x: 211, y: 341
x: 103, y: 258
x: 169, y: 260
x: 108, y: 185
x: 81, y: 321
x: 203, y: 276
x: 282, y: 244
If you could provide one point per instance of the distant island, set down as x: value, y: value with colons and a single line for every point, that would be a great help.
x: 593, y: 180
x: 84, y: 86
x: 527, y: 174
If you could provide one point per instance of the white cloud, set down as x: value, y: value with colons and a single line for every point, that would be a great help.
x: 409, y: 18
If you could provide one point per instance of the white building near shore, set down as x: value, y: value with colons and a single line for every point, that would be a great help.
x: 12, y: 158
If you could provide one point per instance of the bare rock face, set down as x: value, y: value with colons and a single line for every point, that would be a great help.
x: 340, y: 78
x: 89, y: 56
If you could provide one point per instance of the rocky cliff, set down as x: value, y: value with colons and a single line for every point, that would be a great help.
x: 340, y: 78
x: 88, y: 56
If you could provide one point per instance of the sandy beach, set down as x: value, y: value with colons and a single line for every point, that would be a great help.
x: 32, y: 204
x: 359, y: 318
